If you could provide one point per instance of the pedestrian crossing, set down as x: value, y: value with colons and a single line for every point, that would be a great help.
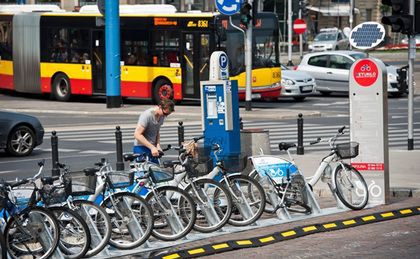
x: 278, y: 132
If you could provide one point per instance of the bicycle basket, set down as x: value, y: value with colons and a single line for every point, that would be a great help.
x: 159, y: 174
x: 23, y: 195
x: 197, y: 167
x: 121, y: 179
x: 82, y: 183
x: 57, y: 192
x: 347, y: 150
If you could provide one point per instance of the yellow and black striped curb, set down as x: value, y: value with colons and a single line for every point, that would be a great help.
x: 231, y: 245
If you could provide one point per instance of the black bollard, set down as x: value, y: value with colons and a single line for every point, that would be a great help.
x: 241, y: 123
x: 180, y: 133
x: 118, y: 140
x: 54, y: 154
x: 300, y: 148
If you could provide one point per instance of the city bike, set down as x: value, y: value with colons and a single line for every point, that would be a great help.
x: 174, y: 210
x: 344, y: 180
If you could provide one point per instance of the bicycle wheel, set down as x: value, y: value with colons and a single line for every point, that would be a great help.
x: 33, y: 233
x: 350, y: 187
x: 131, y: 218
x: 213, y: 204
x: 74, y: 233
x: 99, y: 224
x: 248, y: 198
x: 266, y: 187
x: 174, y: 212
x: 296, y: 199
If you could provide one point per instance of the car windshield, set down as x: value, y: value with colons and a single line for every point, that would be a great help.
x: 326, y: 37
x: 358, y: 56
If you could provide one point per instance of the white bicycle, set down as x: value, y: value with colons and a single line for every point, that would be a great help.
x: 343, y: 179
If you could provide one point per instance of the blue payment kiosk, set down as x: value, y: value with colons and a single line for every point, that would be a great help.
x: 220, y: 110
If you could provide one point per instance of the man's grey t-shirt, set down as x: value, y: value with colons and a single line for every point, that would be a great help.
x: 151, y: 126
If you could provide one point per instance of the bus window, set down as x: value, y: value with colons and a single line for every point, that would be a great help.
x: 264, y: 51
x: 165, y: 48
x: 134, y: 50
x: 64, y: 45
x: 5, y: 40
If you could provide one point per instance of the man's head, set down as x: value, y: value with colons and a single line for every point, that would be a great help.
x: 167, y: 106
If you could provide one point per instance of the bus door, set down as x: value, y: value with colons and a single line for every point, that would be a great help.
x: 195, y: 62
x: 98, y: 61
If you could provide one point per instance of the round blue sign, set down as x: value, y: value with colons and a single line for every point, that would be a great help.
x: 228, y: 7
x: 223, y: 61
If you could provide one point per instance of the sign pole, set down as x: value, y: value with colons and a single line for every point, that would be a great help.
x: 112, y: 54
x: 300, y: 38
x: 411, y: 57
x: 248, y: 64
x: 289, y: 30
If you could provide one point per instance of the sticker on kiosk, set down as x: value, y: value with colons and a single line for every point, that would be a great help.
x: 365, y: 73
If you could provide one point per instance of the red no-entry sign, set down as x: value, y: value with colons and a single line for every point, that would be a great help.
x: 299, y: 26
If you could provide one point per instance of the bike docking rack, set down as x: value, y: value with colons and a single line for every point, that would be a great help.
x: 153, y: 246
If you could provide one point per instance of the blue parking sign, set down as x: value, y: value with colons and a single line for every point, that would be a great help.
x: 223, y: 61
x: 228, y: 7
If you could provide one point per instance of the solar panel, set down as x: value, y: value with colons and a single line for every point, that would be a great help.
x: 367, y: 35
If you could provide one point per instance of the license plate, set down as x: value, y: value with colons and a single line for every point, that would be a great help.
x: 307, y: 88
x: 255, y: 96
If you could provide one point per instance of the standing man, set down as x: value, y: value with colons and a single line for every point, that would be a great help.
x: 146, y: 135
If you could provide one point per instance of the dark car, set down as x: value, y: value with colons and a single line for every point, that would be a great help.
x: 19, y: 133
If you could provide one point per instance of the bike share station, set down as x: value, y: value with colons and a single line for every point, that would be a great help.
x: 221, y: 126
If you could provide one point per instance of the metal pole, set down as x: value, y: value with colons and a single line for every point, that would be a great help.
x: 289, y: 30
x: 300, y: 38
x: 248, y: 65
x: 300, y: 149
x: 180, y: 133
x: 411, y: 57
x: 112, y: 54
x: 118, y: 140
x: 351, y: 17
x: 54, y: 154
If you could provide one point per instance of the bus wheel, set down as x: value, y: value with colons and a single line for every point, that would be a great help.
x: 61, y: 88
x: 162, y: 90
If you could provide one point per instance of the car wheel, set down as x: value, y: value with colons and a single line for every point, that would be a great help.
x: 21, y: 141
x: 324, y: 93
x: 163, y: 89
x: 299, y: 99
x: 61, y: 88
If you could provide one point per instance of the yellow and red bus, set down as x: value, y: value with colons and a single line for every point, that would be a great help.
x: 164, y: 54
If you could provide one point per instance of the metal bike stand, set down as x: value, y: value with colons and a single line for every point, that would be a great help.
x: 94, y: 232
x: 340, y: 205
x: 45, y: 236
x: 134, y: 227
x: 172, y: 219
x: 312, y: 201
x: 244, y: 207
x: 281, y: 212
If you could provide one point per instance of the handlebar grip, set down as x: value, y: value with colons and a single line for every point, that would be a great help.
x: 215, y: 147
x: 341, y: 129
x: 198, y: 138
x: 315, y: 142
x: 169, y: 146
x: 21, y: 182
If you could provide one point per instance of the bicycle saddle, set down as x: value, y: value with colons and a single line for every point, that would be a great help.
x: 285, y: 146
x: 131, y: 157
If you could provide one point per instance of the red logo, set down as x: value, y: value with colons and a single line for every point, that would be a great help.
x: 365, y: 72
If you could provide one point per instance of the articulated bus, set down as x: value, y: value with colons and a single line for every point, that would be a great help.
x: 164, y: 54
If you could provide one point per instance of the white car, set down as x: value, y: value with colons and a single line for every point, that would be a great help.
x: 296, y: 84
x: 329, y: 39
x: 331, y: 71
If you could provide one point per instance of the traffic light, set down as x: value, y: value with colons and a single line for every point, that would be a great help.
x: 400, y: 20
x: 246, y: 14
x: 303, y: 6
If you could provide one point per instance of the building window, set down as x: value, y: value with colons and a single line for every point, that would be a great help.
x: 340, y: 1
x: 368, y: 15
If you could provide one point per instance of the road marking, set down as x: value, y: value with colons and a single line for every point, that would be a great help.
x: 102, y: 152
